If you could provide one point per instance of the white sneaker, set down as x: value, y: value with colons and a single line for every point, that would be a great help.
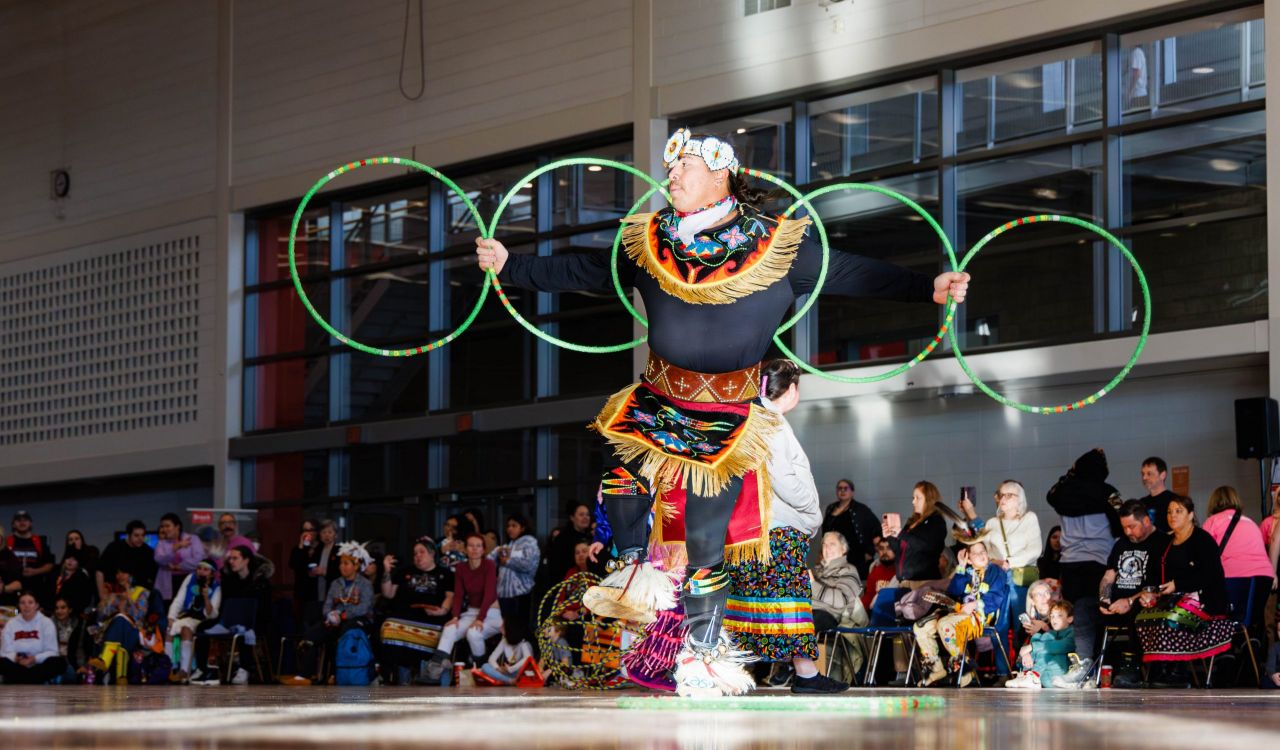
x: 241, y: 677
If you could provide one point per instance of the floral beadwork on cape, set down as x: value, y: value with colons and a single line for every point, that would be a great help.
x: 703, y: 444
x: 718, y: 266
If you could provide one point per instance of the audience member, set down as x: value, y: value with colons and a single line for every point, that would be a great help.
x: 517, y: 565
x: 1154, y: 475
x: 1129, y: 567
x: 177, y: 555
x: 881, y: 574
x: 1046, y: 658
x: 837, y: 588
x: 559, y: 557
x: 1014, y: 539
x: 132, y: 555
x: 509, y: 658
x: 477, y: 522
x: 421, y: 595
x: 244, y: 577
x: 856, y: 523
x: 73, y: 641
x: 322, y: 569
x: 1049, y: 564
x: 1089, y: 524
x: 1245, y: 560
x: 29, y: 646
x: 73, y: 584
x: 301, y: 562
x: 88, y: 554
x: 475, y: 595
x: 1185, y: 618
x: 123, y: 620
x: 980, y: 591
x: 1271, y: 671
x: 196, y: 601
x: 28, y: 557
x: 348, y: 604
x: 919, y: 543
x: 1040, y: 598
x: 230, y: 536
x: 453, y: 540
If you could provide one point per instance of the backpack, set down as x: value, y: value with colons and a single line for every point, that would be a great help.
x: 149, y: 668
x: 353, y: 663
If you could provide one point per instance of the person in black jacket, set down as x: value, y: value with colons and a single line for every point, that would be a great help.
x: 856, y: 523
x: 1185, y: 618
x: 1090, y: 524
x: 301, y: 562
x: 919, y: 543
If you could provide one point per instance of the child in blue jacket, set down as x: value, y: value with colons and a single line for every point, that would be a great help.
x: 980, y: 591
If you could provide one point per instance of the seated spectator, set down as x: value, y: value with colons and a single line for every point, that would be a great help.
x: 245, y: 576
x: 475, y: 596
x: 1133, y: 558
x: 348, y: 604
x: 73, y: 640
x: 73, y: 584
x: 1045, y: 658
x: 28, y: 559
x: 517, y: 565
x: 453, y: 541
x: 921, y: 540
x: 1015, y: 538
x: 881, y: 574
x: 509, y: 658
x: 122, y: 616
x: 1271, y: 673
x: 88, y: 554
x: 421, y: 594
x: 1244, y: 550
x: 836, y: 587
x: 1090, y: 523
x: 1186, y: 616
x: 1049, y: 564
x: 196, y: 601
x: 1040, y: 598
x: 979, y: 590
x: 29, y: 646
x: 177, y: 554
x: 131, y: 555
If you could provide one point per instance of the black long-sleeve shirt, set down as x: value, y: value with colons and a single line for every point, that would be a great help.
x: 1196, y: 566
x: 919, y: 549
x: 720, y: 338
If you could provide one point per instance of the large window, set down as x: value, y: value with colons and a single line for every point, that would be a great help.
x: 1033, y: 134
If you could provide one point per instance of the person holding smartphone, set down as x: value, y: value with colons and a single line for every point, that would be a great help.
x: 919, y: 543
x: 302, y: 562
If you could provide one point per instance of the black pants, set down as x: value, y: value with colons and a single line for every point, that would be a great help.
x: 36, y: 674
x: 1080, y: 580
x: 706, y: 523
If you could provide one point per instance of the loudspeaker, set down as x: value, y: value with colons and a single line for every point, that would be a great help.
x: 1257, y: 428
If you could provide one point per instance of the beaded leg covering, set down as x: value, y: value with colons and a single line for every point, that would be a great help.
x: 635, y: 589
x: 710, y: 665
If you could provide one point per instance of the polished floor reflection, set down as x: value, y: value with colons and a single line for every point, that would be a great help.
x: 352, y: 718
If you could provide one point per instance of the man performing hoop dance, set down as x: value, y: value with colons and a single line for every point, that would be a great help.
x: 691, y: 439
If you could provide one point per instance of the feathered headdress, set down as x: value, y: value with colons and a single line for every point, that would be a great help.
x: 356, y: 551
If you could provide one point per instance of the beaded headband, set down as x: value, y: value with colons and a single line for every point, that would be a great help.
x: 716, y: 153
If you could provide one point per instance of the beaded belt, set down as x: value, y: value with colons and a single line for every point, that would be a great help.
x: 733, y: 387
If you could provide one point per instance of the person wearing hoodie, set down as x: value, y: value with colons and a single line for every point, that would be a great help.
x: 1090, y: 523
x: 245, y: 575
x: 29, y: 646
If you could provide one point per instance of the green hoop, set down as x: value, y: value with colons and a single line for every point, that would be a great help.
x: 813, y: 296
x: 302, y: 294
x: 1137, y: 351
x: 488, y: 231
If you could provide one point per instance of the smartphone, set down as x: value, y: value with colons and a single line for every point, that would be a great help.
x: 968, y: 492
x: 1025, y: 619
